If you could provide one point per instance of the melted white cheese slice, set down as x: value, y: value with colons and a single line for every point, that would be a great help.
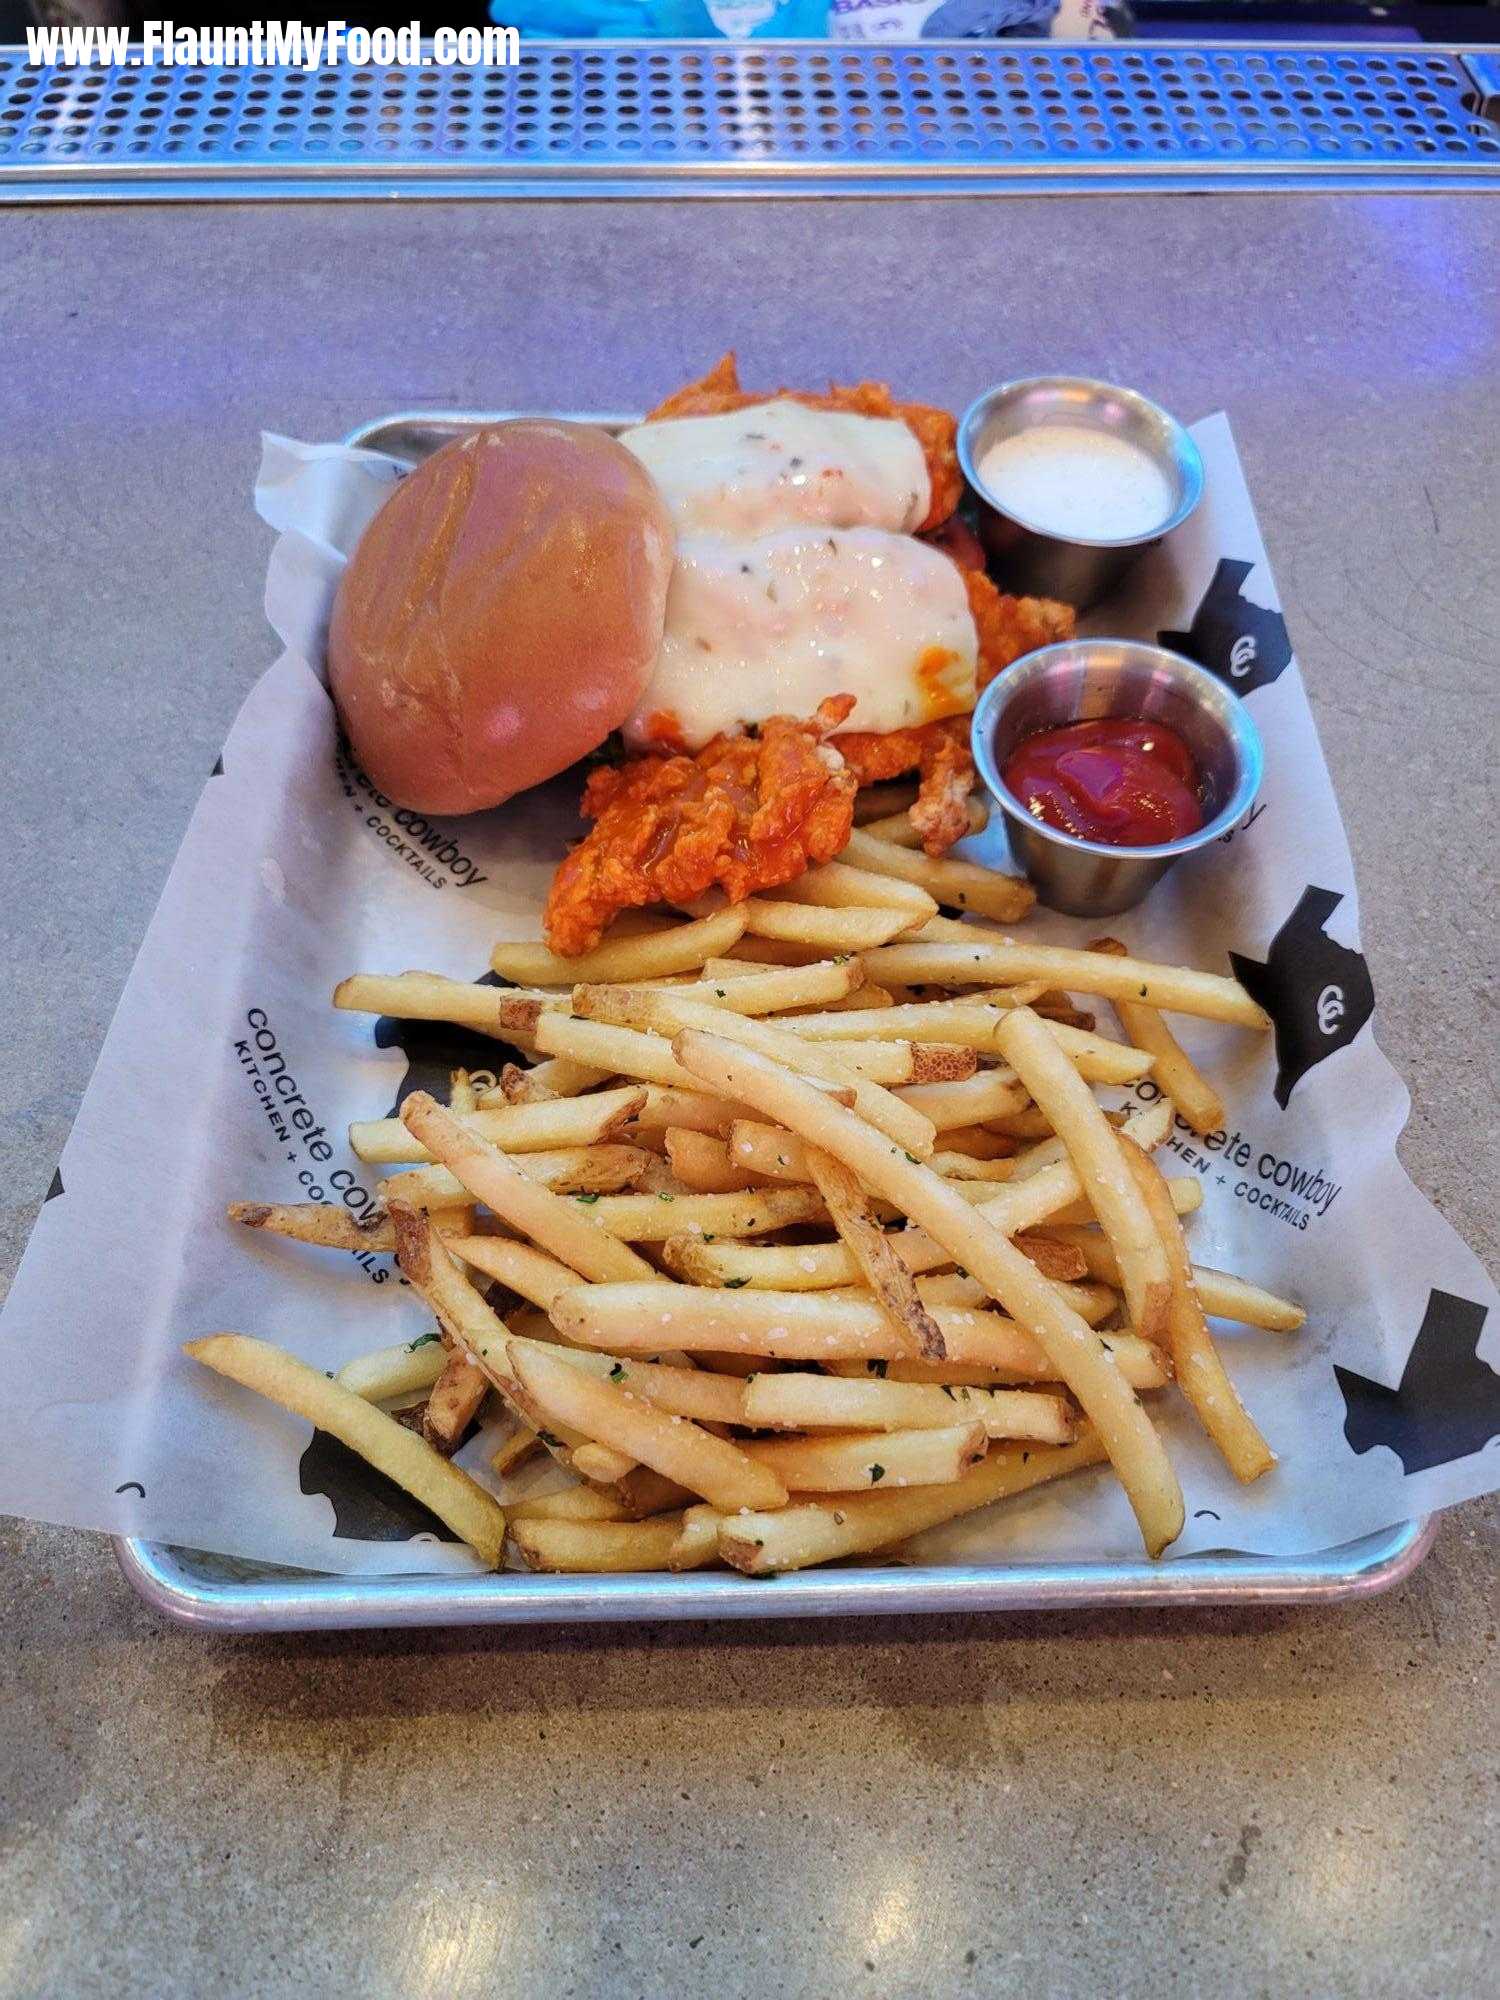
x: 775, y: 625
x: 776, y: 464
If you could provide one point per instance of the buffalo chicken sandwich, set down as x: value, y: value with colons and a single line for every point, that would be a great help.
x: 770, y: 597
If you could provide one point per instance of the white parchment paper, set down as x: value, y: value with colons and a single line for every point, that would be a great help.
x: 226, y: 1074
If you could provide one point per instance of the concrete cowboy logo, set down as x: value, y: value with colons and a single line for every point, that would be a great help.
x: 1243, y: 643
x: 1447, y: 1404
x: 368, y: 1507
x: 1317, y: 991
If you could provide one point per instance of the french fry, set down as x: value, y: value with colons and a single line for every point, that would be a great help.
x: 768, y: 1150
x: 675, y: 948
x: 1095, y: 1057
x: 971, y: 1024
x: 857, y: 1463
x: 1142, y: 1365
x: 328, y: 1224
x: 1029, y: 1124
x: 660, y: 1011
x: 1174, y: 1069
x: 975, y: 1026
x: 955, y: 1166
x: 823, y: 930
x: 528, y: 1271
x: 1072, y: 1346
x: 519, y: 1128
x: 552, y: 1221
x: 1185, y: 1189
x: 794, y: 1401
x: 789, y: 1326
x: 519, y: 1086
x: 806, y: 1267
x: 960, y: 884
x: 991, y: 1094
x: 745, y: 990
x: 837, y: 886
x: 474, y: 1332
x: 644, y: 1493
x: 859, y: 1523
x: 1015, y: 1205
x: 867, y: 1243
x: 673, y: 1446
x: 762, y: 951
x: 1222, y: 1296
x: 571, y: 1503
x: 608, y: 1548
x: 897, y: 830
x: 454, y: 1403
x: 395, y: 1371
x: 604, y: 1169
x: 864, y: 999
x: 553, y: 1076
x: 697, y: 1538
x: 1093, y: 1302
x: 623, y: 1050
x: 665, y: 1013
x: 979, y: 1143
x: 653, y: 1218
x: 680, y: 1392
x: 1073, y: 1112
x: 513, y: 1451
x: 1200, y: 1373
x: 685, y: 1110
x: 704, y: 1164
x: 600, y: 1463
x: 457, y: 1500
x: 423, y: 996
x: 1177, y: 989
x: 1061, y: 1262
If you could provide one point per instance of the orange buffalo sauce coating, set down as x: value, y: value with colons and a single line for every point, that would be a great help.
x: 747, y: 813
x: 935, y: 430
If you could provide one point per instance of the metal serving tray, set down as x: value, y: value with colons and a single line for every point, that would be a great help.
x: 222, y: 1594
x: 226, y: 1593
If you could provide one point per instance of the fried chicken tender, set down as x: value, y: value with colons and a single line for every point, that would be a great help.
x: 935, y: 430
x: 746, y: 813
x: 939, y: 751
x: 1010, y: 626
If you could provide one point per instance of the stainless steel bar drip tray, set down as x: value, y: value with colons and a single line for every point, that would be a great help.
x: 695, y: 118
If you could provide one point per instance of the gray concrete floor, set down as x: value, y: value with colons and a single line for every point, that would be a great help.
x: 1282, y: 1802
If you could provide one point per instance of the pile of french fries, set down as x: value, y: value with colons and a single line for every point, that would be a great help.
x: 802, y: 1231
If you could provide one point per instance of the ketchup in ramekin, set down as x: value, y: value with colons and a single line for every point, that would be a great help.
x: 1117, y: 781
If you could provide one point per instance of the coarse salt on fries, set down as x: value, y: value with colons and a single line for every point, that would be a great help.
x: 1071, y: 1345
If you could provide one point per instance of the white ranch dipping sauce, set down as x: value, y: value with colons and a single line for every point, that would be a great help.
x: 1077, y: 483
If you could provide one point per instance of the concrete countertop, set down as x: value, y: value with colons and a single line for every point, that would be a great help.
x: 1283, y: 1802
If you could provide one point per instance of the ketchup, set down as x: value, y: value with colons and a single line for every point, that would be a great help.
x: 1129, y: 784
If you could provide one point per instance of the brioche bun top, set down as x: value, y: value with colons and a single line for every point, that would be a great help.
x: 501, y: 614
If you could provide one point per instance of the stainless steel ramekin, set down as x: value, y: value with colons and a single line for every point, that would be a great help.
x: 1078, y: 571
x: 1085, y: 680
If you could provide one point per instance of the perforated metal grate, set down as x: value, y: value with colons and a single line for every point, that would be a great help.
x: 773, y: 118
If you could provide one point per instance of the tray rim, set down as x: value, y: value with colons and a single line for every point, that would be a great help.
x: 307, y: 1601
